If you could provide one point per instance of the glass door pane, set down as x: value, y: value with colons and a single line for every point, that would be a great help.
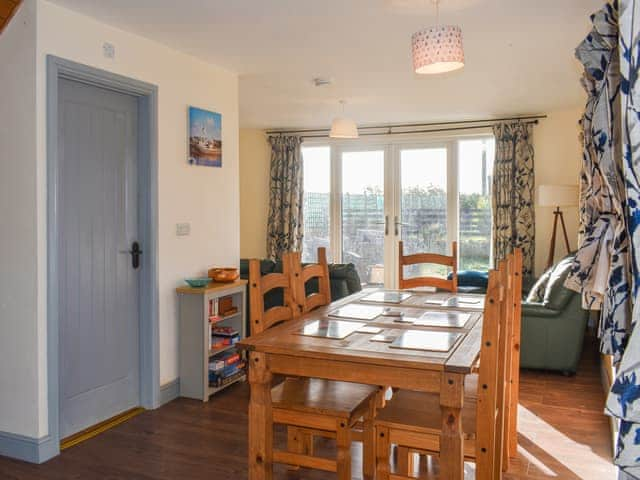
x: 423, y: 206
x: 475, y: 159
x: 316, y: 208
x: 363, y: 229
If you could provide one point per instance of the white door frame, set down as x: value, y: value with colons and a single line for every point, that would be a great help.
x: 147, y: 95
x: 392, y: 145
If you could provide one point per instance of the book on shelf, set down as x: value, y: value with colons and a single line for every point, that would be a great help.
x: 221, y: 382
x: 225, y: 331
x: 226, y: 375
x: 224, y: 360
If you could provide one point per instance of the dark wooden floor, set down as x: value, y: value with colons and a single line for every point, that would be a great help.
x: 562, y: 435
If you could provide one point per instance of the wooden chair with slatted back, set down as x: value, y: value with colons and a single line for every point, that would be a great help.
x: 303, y: 273
x: 260, y: 285
x: 309, y: 406
x: 511, y: 271
x: 412, y: 420
x: 433, y: 259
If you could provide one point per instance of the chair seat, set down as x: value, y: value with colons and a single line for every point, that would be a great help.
x: 420, y: 412
x: 322, y: 397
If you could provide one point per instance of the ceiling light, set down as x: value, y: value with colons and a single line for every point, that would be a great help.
x: 437, y: 49
x: 343, y: 127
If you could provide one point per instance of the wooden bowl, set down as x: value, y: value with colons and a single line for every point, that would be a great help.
x: 224, y: 275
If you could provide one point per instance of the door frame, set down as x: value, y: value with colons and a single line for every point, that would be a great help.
x: 392, y: 145
x: 147, y: 95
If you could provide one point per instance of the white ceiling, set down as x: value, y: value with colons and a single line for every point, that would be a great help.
x: 519, y: 54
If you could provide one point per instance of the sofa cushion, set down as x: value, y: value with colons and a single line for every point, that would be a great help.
x: 347, y: 273
x: 536, y: 294
x: 266, y: 266
x: 556, y: 295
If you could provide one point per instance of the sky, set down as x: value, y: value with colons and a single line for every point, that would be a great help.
x: 419, y: 167
x: 212, y: 122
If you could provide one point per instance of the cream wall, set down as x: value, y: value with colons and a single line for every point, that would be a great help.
x: 557, y: 161
x: 558, y: 155
x: 208, y: 198
x: 19, y: 370
x: 254, y: 192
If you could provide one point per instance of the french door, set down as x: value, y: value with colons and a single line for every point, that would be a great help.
x: 427, y: 194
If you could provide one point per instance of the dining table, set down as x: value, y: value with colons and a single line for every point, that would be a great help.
x: 415, y: 340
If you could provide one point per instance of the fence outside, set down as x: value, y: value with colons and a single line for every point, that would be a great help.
x: 425, y: 219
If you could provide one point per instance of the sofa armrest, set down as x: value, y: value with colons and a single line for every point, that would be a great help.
x: 531, y: 309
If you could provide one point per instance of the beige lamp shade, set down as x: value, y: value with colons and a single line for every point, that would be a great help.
x: 557, y: 195
x: 437, y: 49
x: 343, y: 128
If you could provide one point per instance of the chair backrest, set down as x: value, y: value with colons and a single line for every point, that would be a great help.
x: 430, y: 258
x: 513, y: 378
x: 259, y: 286
x: 302, y: 274
x: 505, y: 269
x: 492, y: 380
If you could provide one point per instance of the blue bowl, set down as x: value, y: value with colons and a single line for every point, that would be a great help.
x: 197, y: 282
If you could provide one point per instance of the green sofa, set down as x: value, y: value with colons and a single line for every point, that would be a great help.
x: 343, y: 278
x: 553, y: 323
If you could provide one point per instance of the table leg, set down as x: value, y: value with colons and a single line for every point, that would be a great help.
x: 260, y: 419
x: 451, y: 438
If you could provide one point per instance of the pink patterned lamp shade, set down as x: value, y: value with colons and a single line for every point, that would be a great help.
x: 437, y: 49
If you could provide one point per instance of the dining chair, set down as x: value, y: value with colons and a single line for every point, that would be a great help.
x: 515, y: 299
x: 302, y: 274
x: 511, y: 278
x: 311, y: 407
x: 260, y: 285
x: 412, y: 420
x: 433, y: 259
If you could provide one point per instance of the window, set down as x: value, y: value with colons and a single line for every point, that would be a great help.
x: 362, y: 211
x: 475, y: 160
x: 361, y: 198
x: 316, y: 208
x: 423, y: 206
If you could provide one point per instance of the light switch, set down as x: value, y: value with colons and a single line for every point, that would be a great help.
x: 183, y: 229
x: 108, y: 50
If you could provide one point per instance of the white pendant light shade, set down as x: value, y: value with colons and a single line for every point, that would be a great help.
x: 437, y: 49
x: 343, y: 128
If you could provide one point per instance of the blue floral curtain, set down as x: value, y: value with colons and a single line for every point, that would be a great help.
x: 285, y: 227
x: 601, y: 268
x: 624, y: 399
x: 512, y: 198
x: 607, y: 267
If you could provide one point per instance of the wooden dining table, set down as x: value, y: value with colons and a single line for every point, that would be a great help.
x: 286, y: 350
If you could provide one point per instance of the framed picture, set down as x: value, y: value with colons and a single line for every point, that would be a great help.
x: 205, y: 138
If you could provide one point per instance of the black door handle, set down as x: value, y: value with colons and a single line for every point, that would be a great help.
x: 135, y: 255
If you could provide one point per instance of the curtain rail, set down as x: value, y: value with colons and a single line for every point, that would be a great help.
x: 318, y: 132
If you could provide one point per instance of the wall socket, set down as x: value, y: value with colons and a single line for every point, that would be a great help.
x: 183, y: 229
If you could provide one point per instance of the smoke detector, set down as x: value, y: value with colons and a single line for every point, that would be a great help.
x: 322, y: 81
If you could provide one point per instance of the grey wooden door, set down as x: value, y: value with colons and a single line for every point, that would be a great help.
x: 98, y: 222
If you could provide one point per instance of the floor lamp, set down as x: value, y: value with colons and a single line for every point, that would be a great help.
x: 557, y: 196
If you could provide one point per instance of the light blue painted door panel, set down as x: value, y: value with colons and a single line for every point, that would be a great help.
x: 98, y: 211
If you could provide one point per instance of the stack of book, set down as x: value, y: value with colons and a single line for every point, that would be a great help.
x: 222, y: 336
x: 225, y: 368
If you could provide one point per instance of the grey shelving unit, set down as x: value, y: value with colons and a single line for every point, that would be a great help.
x: 194, y: 307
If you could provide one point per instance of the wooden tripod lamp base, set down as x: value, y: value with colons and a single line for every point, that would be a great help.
x: 557, y: 196
x: 552, y: 247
